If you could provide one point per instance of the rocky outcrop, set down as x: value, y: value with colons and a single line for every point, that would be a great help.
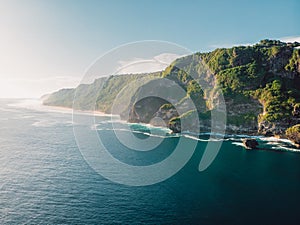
x: 166, y: 112
x: 296, y: 110
x: 269, y: 129
x: 250, y: 143
x: 144, y: 110
x: 260, y: 85
x: 175, y: 126
x: 293, y: 134
x: 242, y: 116
x: 278, y: 128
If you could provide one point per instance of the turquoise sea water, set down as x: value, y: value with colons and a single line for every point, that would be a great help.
x: 45, y: 180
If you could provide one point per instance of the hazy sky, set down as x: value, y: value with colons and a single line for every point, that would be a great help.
x: 47, y: 45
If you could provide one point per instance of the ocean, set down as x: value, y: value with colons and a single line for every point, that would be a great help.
x: 46, y: 179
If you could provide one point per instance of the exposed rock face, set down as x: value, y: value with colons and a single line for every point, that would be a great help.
x: 193, y: 126
x: 268, y: 129
x: 144, y: 110
x: 293, y: 134
x: 242, y: 117
x: 260, y: 86
x: 277, y: 128
x: 250, y: 143
x: 175, y: 127
x: 166, y: 113
x: 296, y: 111
x: 277, y: 62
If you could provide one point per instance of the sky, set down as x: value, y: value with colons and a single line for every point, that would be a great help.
x: 48, y: 45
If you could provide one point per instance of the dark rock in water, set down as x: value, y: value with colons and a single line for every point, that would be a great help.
x: 175, y: 127
x: 250, y: 143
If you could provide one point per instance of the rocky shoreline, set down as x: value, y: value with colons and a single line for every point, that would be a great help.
x: 255, y: 88
x: 249, y: 140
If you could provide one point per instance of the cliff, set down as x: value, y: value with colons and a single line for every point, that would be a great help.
x: 260, y: 84
x: 293, y: 133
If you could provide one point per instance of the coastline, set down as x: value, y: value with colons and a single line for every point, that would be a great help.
x: 37, y: 104
x: 269, y: 139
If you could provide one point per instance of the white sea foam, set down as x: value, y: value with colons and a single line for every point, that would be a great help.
x: 274, y: 139
x: 36, y: 104
x: 271, y: 142
x: 233, y: 139
x: 212, y: 134
x: 195, y: 138
x: 149, y: 126
x: 44, y: 123
x: 286, y: 148
x: 238, y: 144
x: 153, y: 131
x: 192, y: 137
x: 51, y: 123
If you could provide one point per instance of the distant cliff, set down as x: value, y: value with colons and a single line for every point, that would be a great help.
x: 260, y: 84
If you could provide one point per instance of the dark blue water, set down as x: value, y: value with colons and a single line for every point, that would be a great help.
x: 45, y: 180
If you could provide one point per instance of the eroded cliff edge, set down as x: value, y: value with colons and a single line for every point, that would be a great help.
x: 260, y: 85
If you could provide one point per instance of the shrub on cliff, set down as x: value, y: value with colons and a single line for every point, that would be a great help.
x: 293, y: 133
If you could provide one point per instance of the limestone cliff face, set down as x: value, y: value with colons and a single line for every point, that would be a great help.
x: 145, y: 110
x: 260, y: 86
x: 278, y: 128
x: 166, y: 112
x: 242, y: 116
x: 278, y: 61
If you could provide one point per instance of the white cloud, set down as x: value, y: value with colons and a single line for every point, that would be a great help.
x: 166, y: 58
x: 230, y: 45
x: 290, y: 39
x: 139, y: 65
x: 227, y: 45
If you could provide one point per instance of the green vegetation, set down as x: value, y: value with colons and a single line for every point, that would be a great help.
x: 276, y: 103
x: 264, y: 71
x: 293, y: 130
x: 114, y: 85
x: 242, y: 119
x: 293, y: 133
x: 63, y: 98
x: 265, y: 75
x: 294, y: 61
x: 167, y: 106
